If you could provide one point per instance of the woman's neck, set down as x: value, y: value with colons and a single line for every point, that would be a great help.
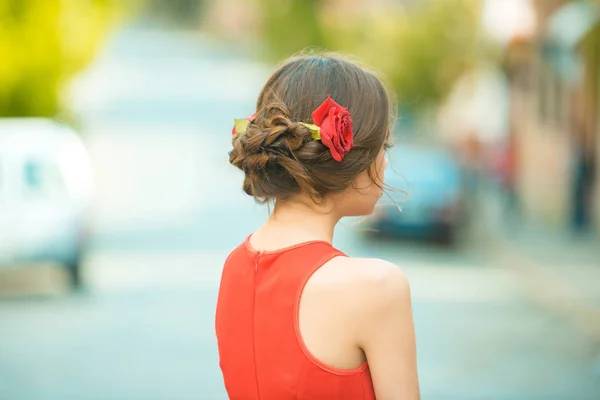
x: 294, y: 221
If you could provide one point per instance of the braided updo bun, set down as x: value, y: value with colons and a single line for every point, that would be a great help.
x: 277, y: 153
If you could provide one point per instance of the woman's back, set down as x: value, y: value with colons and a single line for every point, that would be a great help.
x: 262, y: 351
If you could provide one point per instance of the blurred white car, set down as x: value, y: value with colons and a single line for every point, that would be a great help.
x: 45, y: 194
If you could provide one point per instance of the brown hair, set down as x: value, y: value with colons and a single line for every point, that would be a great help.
x: 278, y: 155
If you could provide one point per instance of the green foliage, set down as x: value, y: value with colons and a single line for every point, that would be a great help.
x: 42, y: 44
x: 434, y: 49
x: 180, y: 12
x: 289, y: 26
x: 422, y: 49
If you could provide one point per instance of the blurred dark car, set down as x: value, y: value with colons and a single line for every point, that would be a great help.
x: 427, y: 186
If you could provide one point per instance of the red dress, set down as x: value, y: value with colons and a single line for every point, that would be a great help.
x: 262, y: 355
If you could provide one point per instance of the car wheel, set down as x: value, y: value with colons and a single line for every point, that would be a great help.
x: 74, y: 272
x: 446, y: 236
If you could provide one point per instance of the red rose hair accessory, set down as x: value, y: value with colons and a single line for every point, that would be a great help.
x: 332, y: 126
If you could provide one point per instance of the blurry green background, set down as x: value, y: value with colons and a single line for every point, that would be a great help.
x: 44, y: 43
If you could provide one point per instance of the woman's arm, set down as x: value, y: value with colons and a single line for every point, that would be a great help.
x: 387, y: 334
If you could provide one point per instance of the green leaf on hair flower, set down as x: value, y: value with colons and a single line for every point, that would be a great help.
x: 315, y: 131
x: 241, y: 125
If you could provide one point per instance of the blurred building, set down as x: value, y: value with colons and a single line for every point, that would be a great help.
x: 553, y: 71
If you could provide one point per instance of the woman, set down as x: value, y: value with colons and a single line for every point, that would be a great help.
x: 297, y: 318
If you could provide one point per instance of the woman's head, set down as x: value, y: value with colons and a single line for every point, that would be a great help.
x: 281, y: 159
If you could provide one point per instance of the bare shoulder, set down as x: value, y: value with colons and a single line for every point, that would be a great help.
x: 371, y: 281
x: 368, y: 273
x: 380, y: 281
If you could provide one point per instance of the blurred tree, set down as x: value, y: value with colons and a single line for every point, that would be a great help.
x: 435, y: 47
x: 422, y: 46
x: 289, y: 26
x: 42, y: 44
x: 181, y: 12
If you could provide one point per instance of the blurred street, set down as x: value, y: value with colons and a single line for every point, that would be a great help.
x: 156, y: 110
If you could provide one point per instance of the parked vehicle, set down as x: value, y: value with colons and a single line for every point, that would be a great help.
x: 45, y: 194
x: 427, y: 185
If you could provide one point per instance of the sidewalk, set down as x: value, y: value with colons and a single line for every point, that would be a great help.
x: 559, y: 270
x: 575, y: 259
